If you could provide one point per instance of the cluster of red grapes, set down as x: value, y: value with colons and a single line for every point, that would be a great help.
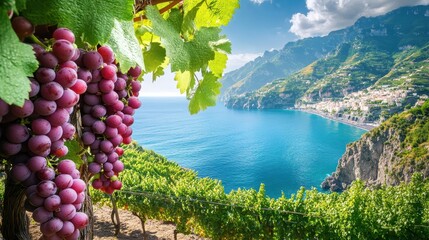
x: 107, y: 111
x: 32, y: 137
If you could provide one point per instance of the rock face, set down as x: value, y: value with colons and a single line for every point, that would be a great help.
x: 388, y: 154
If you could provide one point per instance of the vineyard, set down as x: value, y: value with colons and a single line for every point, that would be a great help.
x: 155, y: 188
x: 71, y: 73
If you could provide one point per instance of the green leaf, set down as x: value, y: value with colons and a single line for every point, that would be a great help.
x: 212, y: 13
x: 125, y: 45
x: 218, y: 64
x: 91, y: 21
x: 20, y: 5
x: 205, y: 94
x: 75, y: 152
x: 17, y: 63
x: 185, y: 80
x: 184, y: 55
x: 154, y: 57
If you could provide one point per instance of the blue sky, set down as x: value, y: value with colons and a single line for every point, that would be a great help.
x: 262, y: 25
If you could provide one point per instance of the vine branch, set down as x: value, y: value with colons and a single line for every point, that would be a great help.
x: 154, y: 2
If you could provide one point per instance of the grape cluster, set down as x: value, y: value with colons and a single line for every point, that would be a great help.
x: 107, y: 110
x: 33, y: 136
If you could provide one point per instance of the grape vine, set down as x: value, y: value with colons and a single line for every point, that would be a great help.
x: 69, y: 89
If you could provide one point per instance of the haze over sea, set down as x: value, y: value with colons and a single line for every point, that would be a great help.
x: 284, y: 149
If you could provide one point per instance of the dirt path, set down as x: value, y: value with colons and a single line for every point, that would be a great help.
x: 130, y: 227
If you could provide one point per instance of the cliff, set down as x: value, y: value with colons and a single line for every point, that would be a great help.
x: 388, y: 154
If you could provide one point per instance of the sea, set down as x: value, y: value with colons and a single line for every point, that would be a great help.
x: 283, y: 149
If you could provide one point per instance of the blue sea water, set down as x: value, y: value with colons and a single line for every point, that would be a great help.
x: 284, y: 149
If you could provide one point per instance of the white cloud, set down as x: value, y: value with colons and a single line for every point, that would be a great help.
x: 236, y: 61
x: 259, y: 2
x: 324, y: 16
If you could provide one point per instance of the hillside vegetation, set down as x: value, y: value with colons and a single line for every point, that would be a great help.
x: 155, y: 188
x: 380, y: 67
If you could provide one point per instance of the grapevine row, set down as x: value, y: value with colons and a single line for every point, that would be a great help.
x: 155, y: 188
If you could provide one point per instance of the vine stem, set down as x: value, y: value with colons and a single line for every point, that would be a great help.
x: 36, y: 40
x: 162, y: 10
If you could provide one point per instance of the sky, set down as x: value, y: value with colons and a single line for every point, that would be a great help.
x: 264, y: 25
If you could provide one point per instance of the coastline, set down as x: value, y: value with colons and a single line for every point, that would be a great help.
x: 362, y: 126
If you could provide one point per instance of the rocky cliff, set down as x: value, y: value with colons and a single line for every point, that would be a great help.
x: 386, y: 155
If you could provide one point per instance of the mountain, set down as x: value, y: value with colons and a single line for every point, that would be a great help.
x: 377, y: 67
x: 388, y: 154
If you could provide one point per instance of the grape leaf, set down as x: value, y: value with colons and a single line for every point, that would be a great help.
x: 184, y: 55
x: 213, y: 13
x: 154, y: 57
x: 205, y: 94
x: 17, y: 63
x: 75, y: 152
x: 92, y: 20
x: 185, y: 80
x: 218, y: 64
x: 125, y: 45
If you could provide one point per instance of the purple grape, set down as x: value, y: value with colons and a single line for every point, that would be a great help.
x: 68, y: 99
x: 67, y: 230
x: 63, y: 50
x: 117, y: 106
x: 134, y: 102
x: 107, y: 54
x: 116, y: 185
x: 128, y: 120
x: 92, y: 60
x: 64, y: 181
x: 37, y: 49
x: 135, y: 86
x: 36, y: 163
x: 46, y: 174
x: 122, y: 94
x: 58, y: 148
x: 118, y: 166
x: 51, y: 91
x: 51, y: 226
x: 38, y: 144
x: 107, y: 167
x: 63, y: 33
x: 110, y: 98
x: 91, y: 99
x: 20, y: 172
x: 66, y: 212
x: 94, y: 168
x: 79, y: 87
x: 31, y: 180
x: 80, y: 220
x: 66, y: 166
x: 17, y: 133
x: 98, y: 111
x: 135, y: 71
x: 44, y: 107
x: 96, y: 76
x: 75, y: 174
x: 112, y: 157
x: 68, y: 130
x: 35, y: 88
x: 4, y: 108
x: 47, y: 60
x: 120, y: 84
x: 98, y: 127
x: 52, y: 203
x: 93, y: 88
x: 45, y: 75
x: 80, y: 198
x: 128, y: 111
x: 55, y: 134
x: 84, y: 74
x: 46, y: 188
x: 110, y: 132
x: 78, y: 185
x: 40, y: 126
x: 68, y: 195
x: 59, y: 117
x: 106, y: 86
x: 100, y: 157
x: 108, y: 72
x: 42, y: 215
x: 88, y: 138
x: 66, y: 77
x: 36, y: 200
x: 24, y: 111
x: 69, y: 64
x: 22, y: 27
x: 113, y: 121
x: 106, y: 146
x: 109, y: 174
